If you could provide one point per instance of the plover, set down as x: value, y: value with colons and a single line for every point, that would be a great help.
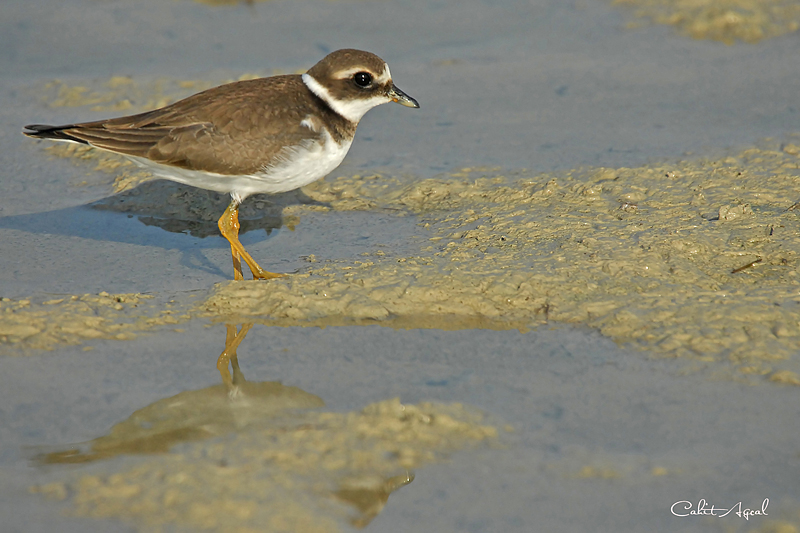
x: 267, y: 135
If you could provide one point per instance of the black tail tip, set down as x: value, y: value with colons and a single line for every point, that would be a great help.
x: 46, y: 131
x: 37, y: 129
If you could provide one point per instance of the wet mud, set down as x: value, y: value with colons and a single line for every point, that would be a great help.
x: 728, y: 21
x: 693, y: 258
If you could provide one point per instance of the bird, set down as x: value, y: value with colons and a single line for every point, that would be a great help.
x: 266, y: 135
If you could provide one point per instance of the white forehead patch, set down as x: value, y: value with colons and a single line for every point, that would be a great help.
x: 385, y: 76
x: 352, y: 109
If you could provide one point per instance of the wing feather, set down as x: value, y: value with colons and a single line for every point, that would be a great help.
x: 233, y: 129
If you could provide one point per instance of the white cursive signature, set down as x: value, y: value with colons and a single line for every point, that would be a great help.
x: 685, y: 508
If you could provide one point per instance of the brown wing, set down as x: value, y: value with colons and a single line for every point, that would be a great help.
x: 232, y: 129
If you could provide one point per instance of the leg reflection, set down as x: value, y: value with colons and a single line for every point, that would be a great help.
x: 229, y: 357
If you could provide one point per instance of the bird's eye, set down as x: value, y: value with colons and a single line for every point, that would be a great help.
x: 362, y: 79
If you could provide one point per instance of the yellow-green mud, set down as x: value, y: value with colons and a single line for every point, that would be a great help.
x: 728, y: 21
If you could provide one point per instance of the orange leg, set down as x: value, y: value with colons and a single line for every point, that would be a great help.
x: 229, y: 227
x: 229, y: 356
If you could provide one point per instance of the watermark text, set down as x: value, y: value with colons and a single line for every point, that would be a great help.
x: 703, y: 508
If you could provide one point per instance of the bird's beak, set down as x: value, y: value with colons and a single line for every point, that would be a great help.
x: 402, y: 98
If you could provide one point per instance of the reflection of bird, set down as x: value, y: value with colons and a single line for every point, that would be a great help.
x: 268, y: 135
x: 196, y: 415
x: 244, y: 407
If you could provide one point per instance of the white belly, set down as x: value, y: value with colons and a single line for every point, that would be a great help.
x: 297, y: 166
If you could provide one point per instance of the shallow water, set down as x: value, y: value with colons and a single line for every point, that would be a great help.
x: 580, y: 251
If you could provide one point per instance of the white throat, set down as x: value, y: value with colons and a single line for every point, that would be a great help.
x: 353, y: 109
